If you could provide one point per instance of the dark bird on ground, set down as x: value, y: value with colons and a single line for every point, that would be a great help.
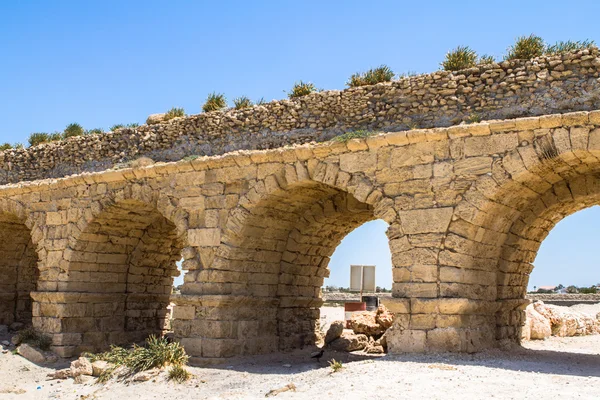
x: 317, y: 354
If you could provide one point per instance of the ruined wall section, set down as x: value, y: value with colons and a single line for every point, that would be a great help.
x: 551, y: 84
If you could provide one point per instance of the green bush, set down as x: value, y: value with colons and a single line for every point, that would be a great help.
x: 95, y: 131
x: 460, y: 58
x: 132, y: 125
x: 158, y: 352
x: 569, y: 45
x: 116, y: 127
x: 242, y: 102
x: 301, y: 89
x: 174, y: 113
x: 55, y: 137
x: 473, y: 118
x: 5, y: 146
x: 486, y: 59
x: 73, y: 130
x: 382, y: 73
x: 38, y: 138
x: 179, y: 374
x: 526, y: 47
x: 336, y: 365
x: 261, y: 101
x: 214, y: 102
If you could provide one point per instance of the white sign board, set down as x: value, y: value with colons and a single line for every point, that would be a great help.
x: 362, y: 278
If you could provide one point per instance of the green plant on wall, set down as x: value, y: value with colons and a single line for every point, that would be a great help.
x: 460, y: 58
x: 569, y: 45
x: 214, y: 102
x: 174, y: 112
x: 301, y: 89
x: 380, y: 74
x: 242, y: 102
x: 38, y: 138
x: 72, y: 130
x: 526, y: 47
x: 486, y: 59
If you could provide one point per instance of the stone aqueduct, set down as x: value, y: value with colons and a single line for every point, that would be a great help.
x: 90, y: 258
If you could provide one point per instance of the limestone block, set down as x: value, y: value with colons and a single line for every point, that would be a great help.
x: 184, y: 312
x: 426, y: 221
x: 358, y: 161
x: 415, y: 154
x: 395, y: 305
x: 444, y: 339
x: 405, y: 340
x: 204, y: 237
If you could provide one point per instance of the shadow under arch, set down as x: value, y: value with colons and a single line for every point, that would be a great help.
x: 276, y: 249
x: 18, y: 268
x: 120, y: 274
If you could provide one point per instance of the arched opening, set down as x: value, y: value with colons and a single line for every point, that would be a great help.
x: 499, y: 225
x: 277, y: 252
x: 366, y: 245
x: 122, y: 268
x: 567, y: 259
x: 18, y: 269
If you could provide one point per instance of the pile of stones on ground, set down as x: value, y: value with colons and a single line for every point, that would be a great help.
x: 366, y: 332
x: 26, y: 350
x: 545, y: 320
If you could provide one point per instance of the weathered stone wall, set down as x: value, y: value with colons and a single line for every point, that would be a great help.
x: 467, y: 208
x: 545, y: 85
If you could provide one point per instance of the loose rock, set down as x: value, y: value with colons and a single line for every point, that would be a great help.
x: 99, y: 367
x: 81, y: 366
x: 335, y: 331
x: 349, y: 341
x: 32, y: 354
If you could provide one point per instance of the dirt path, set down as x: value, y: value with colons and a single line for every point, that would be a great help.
x: 570, y: 371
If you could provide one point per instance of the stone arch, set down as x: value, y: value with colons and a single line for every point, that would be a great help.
x: 120, y: 268
x: 274, y: 252
x: 498, y: 227
x: 18, y: 263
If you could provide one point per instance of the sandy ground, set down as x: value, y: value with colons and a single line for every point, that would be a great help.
x: 557, y: 368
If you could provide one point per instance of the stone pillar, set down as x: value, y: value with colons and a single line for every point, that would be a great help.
x: 437, y: 301
x: 212, y: 327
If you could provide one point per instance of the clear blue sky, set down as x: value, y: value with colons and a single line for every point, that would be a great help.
x: 100, y: 63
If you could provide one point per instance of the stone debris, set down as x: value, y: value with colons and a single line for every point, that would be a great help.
x: 543, y: 320
x: 286, y: 388
x: 371, y: 323
x: 83, y: 379
x: 100, y: 366
x: 349, y: 341
x: 145, y: 375
x: 335, y: 331
x: 154, y: 119
x: 81, y: 366
x: 60, y: 374
x: 536, y: 325
x: 36, y: 355
x: 374, y: 349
